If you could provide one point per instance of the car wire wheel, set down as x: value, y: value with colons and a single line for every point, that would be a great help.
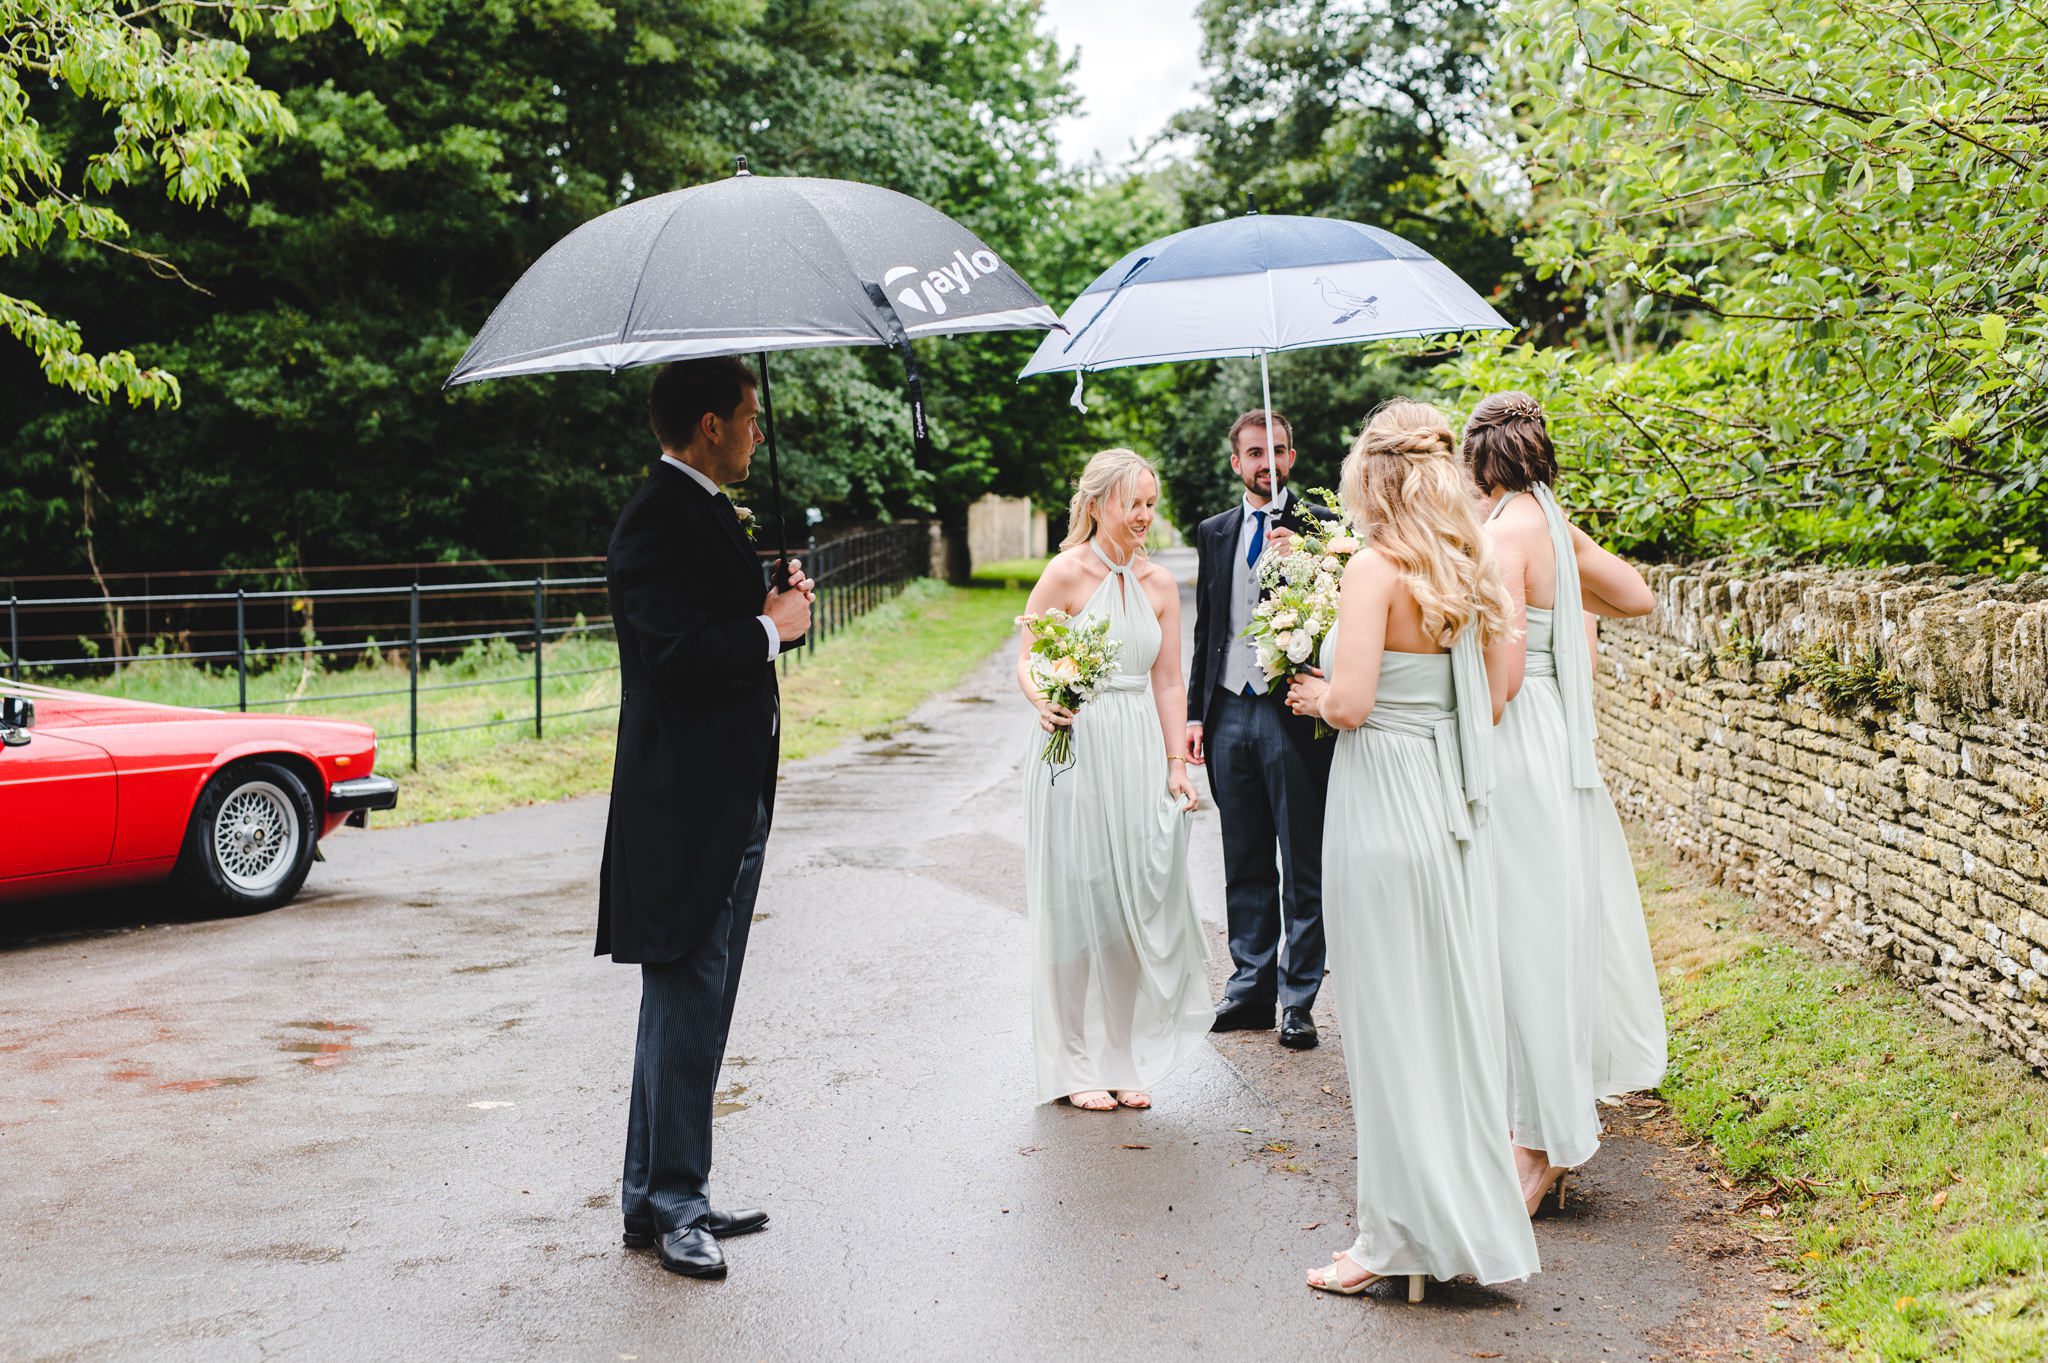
x: 256, y: 837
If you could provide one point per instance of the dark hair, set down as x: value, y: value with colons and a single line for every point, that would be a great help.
x: 1258, y: 418
x: 685, y: 390
x: 1507, y: 445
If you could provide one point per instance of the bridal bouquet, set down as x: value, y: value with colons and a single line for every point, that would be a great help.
x: 1070, y: 661
x: 1298, y: 599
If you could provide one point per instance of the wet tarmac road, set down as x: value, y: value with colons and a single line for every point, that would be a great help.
x: 385, y: 1122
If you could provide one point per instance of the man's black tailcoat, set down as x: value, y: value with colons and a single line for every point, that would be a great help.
x: 698, y: 731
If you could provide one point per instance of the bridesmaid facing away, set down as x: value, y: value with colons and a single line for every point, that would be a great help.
x: 1120, y: 990
x: 1583, y: 1017
x: 1416, y: 675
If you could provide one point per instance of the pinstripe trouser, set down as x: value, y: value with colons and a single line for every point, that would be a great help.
x: 685, y: 1014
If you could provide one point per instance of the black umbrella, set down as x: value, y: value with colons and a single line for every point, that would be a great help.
x: 749, y: 265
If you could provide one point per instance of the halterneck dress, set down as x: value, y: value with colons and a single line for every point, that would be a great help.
x: 1549, y: 912
x: 1120, y: 987
x: 1408, y: 906
x: 1584, y: 1017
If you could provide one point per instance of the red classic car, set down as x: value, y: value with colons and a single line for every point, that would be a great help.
x: 98, y: 791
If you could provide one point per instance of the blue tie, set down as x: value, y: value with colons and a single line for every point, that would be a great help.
x: 1251, y: 556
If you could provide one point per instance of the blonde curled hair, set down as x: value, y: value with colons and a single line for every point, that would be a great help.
x: 1109, y: 474
x: 1403, y: 486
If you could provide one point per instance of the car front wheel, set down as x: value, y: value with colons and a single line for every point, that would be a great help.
x: 250, y: 842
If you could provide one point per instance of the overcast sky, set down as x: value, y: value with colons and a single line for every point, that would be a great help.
x: 1140, y: 60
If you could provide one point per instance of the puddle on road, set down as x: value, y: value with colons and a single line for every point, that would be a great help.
x: 727, y: 1101
x: 196, y: 1085
x: 322, y: 1054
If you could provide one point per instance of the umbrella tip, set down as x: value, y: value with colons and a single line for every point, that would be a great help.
x: 1251, y: 205
x: 740, y: 166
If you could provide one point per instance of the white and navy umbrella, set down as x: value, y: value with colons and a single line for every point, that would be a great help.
x: 1257, y: 284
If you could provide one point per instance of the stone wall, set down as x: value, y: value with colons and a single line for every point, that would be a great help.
x: 1863, y: 753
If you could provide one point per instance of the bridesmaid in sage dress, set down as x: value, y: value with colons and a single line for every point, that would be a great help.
x: 1120, y: 986
x: 1415, y: 680
x: 1566, y: 896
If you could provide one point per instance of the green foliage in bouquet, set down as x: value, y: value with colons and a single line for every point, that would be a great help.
x: 1298, y: 593
x: 1070, y: 661
x: 1810, y: 234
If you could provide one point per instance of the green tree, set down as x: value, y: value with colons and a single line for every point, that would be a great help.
x: 424, y: 178
x: 1339, y: 109
x: 1814, y: 228
x: 173, y: 108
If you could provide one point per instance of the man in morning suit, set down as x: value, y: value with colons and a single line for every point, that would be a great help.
x: 693, y: 788
x: 1266, y: 770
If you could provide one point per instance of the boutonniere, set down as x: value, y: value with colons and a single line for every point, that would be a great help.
x: 746, y: 516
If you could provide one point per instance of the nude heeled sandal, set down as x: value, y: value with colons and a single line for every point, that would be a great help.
x: 1327, y: 1281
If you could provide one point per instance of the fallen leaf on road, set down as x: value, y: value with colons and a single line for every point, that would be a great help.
x: 1134, y: 1147
x: 1326, y: 1089
x: 1160, y: 1276
x: 1280, y: 1147
x: 1312, y: 1225
x: 1029, y: 1149
x: 1934, y: 1203
x: 1247, y: 1130
x: 1485, y: 1355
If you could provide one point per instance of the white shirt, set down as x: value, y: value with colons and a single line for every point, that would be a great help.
x: 774, y: 638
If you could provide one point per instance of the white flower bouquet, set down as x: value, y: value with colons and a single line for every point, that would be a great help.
x: 1298, y: 599
x: 1070, y: 661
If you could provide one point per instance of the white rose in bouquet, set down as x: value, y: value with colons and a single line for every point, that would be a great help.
x: 1342, y: 544
x: 1298, y: 645
x: 1286, y: 620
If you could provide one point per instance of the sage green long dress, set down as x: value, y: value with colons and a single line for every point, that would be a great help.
x: 1584, y: 1017
x: 1549, y: 911
x: 1120, y: 984
x: 1408, y: 908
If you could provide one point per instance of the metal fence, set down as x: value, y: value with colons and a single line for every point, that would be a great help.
x: 235, y: 632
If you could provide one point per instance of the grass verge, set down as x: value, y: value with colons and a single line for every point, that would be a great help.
x: 1010, y: 572
x: 863, y: 681
x: 1899, y: 1159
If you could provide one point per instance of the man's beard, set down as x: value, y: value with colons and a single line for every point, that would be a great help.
x: 1251, y: 482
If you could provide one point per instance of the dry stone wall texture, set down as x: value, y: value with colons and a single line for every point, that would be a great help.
x: 1745, y: 719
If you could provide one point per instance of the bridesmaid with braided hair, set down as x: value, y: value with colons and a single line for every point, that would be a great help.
x: 1417, y: 674
x: 1577, y: 983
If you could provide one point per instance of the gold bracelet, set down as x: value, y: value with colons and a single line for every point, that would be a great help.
x: 1176, y: 757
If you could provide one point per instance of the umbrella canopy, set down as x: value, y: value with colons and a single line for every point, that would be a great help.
x: 749, y: 264
x: 1255, y: 284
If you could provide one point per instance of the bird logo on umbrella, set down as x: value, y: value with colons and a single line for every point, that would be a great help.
x: 1345, y: 302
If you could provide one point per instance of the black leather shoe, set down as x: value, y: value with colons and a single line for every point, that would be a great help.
x: 692, y: 1252
x: 1233, y: 1016
x: 727, y: 1224
x: 640, y: 1231
x: 1297, y: 1029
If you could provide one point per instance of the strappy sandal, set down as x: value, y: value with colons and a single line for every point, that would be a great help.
x: 1108, y: 1103
x: 1134, y: 1098
x: 1328, y: 1279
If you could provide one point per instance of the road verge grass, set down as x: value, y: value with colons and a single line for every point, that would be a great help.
x: 865, y: 680
x: 1898, y: 1159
